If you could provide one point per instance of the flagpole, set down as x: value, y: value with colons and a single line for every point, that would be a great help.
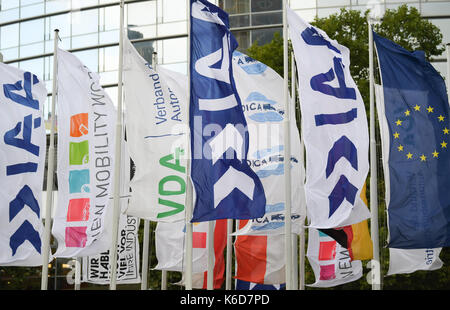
x: 375, y: 263
x: 210, y: 273
x: 287, y: 157
x: 117, y: 160
x: 448, y: 71
x: 50, y: 170
x: 294, y: 237
x: 189, y: 190
x: 229, y: 254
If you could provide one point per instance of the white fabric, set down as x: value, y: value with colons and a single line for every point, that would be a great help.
x: 85, y: 161
x: 401, y: 260
x: 157, y: 135
x: 22, y: 252
x: 313, y: 62
x: 331, y: 263
x: 260, y: 90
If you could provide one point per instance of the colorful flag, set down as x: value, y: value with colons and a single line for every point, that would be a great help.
x: 96, y: 268
x: 331, y: 263
x: 156, y: 103
x: 415, y: 131
x: 355, y: 238
x: 262, y: 101
x: 260, y: 259
x: 86, y: 138
x: 22, y: 161
x: 225, y: 185
x: 334, y: 128
x: 199, y: 242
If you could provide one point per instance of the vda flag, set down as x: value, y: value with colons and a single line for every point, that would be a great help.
x: 334, y: 128
x: 262, y: 101
x: 22, y: 161
x: 86, y: 134
x: 156, y: 102
x: 225, y: 185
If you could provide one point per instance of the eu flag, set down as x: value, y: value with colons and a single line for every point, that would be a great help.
x: 418, y: 180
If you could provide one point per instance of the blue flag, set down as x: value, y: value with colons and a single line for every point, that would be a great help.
x: 225, y: 185
x: 418, y: 180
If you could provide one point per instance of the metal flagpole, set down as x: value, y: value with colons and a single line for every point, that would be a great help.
x: 448, y: 72
x: 229, y: 254
x: 189, y: 190
x: 210, y: 273
x: 164, y: 280
x: 294, y: 236
x: 117, y: 160
x: 146, y: 241
x: 375, y: 263
x: 50, y: 170
x: 287, y: 157
x: 77, y: 273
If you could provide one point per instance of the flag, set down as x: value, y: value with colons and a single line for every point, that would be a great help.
x: 334, y: 128
x: 22, y: 161
x: 262, y: 101
x: 156, y: 103
x: 415, y: 131
x: 199, y: 245
x: 260, y: 259
x: 96, y: 268
x: 86, y: 138
x: 225, y: 185
x: 331, y: 263
x: 411, y: 260
x: 355, y: 238
x: 248, y: 286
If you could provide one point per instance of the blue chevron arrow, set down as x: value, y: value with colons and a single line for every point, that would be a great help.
x: 343, y: 190
x: 23, y: 233
x: 342, y: 148
x: 24, y: 197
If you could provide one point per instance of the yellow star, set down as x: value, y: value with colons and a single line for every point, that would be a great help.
x: 417, y: 108
x: 444, y: 144
x: 445, y: 130
x: 398, y: 122
x: 441, y: 118
x: 430, y: 110
x: 435, y: 153
x: 400, y: 148
x: 407, y: 112
x: 396, y: 135
x: 409, y: 155
x: 423, y: 158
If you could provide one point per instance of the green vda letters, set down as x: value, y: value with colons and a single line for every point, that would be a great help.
x: 171, y: 161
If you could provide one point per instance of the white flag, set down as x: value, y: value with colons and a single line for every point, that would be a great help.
x: 259, y: 88
x: 157, y: 135
x: 96, y: 268
x: 22, y: 161
x: 86, y: 136
x: 331, y: 263
x: 411, y: 260
x: 334, y: 128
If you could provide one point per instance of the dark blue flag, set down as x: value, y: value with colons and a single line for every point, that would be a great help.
x: 417, y: 115
x: 225, y: 185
